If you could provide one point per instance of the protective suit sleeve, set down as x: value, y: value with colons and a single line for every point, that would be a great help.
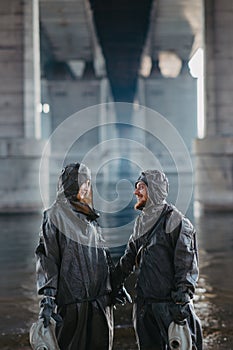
x: 185, y: 263
x: 125, y: 265
x: 48, y: 259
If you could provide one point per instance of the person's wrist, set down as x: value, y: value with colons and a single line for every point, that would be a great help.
x: 180, y: 297
x: 49, y: 292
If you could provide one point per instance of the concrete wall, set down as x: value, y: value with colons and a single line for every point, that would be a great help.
x: 19, y: 175
x: 68, y: 98
x: 176, y: 100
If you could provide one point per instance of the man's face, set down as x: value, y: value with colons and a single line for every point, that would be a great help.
x: 141, y: 193
x: 85, y: 193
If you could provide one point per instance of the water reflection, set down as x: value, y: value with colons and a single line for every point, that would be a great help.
x: 215, y: 292
x: 19, y: 303
x: 216, y: 243
x: 18, y: 239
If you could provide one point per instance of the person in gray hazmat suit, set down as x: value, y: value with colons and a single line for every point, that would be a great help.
x: 73, y: 267
x: 164, y: 251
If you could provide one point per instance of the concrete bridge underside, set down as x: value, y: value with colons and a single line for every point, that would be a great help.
x: 78, y: 53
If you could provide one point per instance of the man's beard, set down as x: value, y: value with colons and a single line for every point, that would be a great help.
x: 140, y: 204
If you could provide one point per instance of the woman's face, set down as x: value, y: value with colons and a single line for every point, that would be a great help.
x: 85, y: 193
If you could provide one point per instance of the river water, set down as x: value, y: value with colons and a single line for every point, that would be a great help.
x: 19, y: 303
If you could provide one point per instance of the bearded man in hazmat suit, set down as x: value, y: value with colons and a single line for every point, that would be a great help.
x: 73, y: 266
x: 164, y: 251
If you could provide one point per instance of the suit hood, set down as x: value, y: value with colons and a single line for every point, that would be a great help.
x: 157, y: 185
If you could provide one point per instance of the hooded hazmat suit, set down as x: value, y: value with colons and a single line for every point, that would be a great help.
x: 163, y: 248
x: 73, y: 267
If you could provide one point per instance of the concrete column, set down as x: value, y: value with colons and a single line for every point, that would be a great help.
x: 31, y: 61
x: 20, y: 147
x: 214, y: 161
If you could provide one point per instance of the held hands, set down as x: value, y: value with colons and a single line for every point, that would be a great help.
x: 47, y: 311
x: 121, y: 296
